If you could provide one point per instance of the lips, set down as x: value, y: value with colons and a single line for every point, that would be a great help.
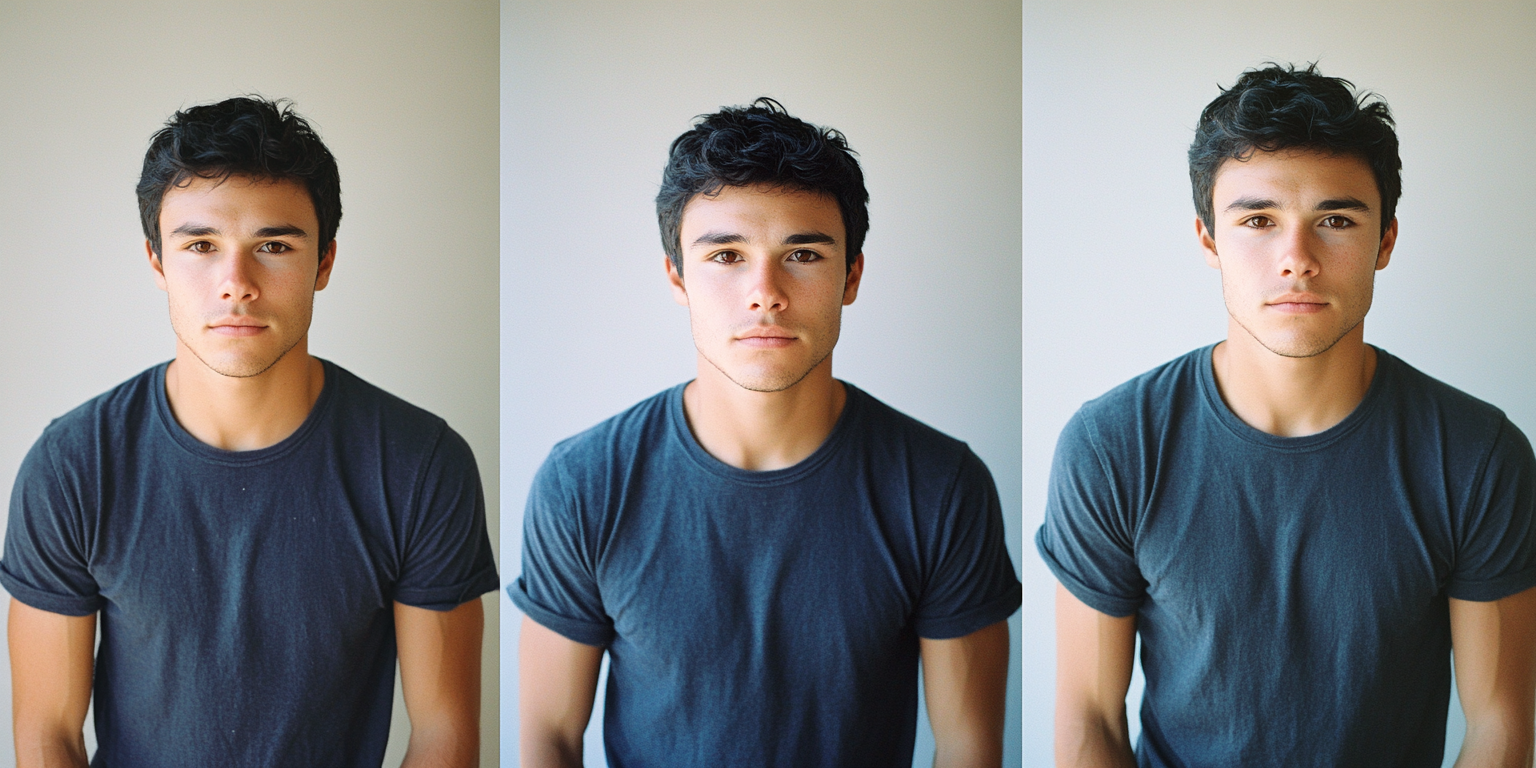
x: 1298, y: 303
x: 766, y: 337
x: 237, y: 326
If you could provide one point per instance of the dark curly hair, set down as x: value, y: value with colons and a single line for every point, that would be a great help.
x: 760, y: 144
x: 1277, y: 108
x: 244, y: 136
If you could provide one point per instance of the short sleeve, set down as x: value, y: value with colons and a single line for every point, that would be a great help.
x: 1088, y: 534
x: 558, y: 587
x: 46, y: 563
x: 971, y: 584
x: 447, y: 559
x: 1496, y: 541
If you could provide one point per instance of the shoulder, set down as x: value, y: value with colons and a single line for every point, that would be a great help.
x: 111, y: 417
x: 1417, y: 393
x: 1455, y: 427
x: 614, y: 443
x: 361, y: 406
x: 1144, y: 406
x: 889, y: 431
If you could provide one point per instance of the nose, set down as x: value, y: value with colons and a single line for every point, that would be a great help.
x: 1298, y: 254
x: 767, y: 293
x: 238, y: 283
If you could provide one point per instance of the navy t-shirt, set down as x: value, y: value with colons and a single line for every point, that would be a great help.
x: 1290, y: 592
x: 763, y: 618
x: 246, y: 598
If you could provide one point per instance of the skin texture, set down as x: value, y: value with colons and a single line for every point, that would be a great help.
x: 965, y: 680
x: 440, y: 679
x: 1094, y: 657
x: 242, y: 252
x: 1496, y: 678
x: 765, y: 307
x: 1297, y: 273
x: 557, y: 680
x: 764, y: 262
x: 52, y: 659
x: 240, y: 267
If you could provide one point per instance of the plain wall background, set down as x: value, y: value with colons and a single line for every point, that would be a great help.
x: 403, y: 93
x: 593, y: 93
x: 1114, y: 280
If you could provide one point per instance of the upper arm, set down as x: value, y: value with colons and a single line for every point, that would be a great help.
x: 1095, y: 653
x: 1494, y: 646
x: 52, y: 658
x: 557, y: 680
x: 440, y: 677
x: 964, y: 680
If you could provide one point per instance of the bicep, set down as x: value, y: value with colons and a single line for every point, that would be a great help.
x: 440, y: 665
x: 1095, y: 653
x: 557, y: 680
x: 52, y: 658
x: 964, y: 681
x: 1494, y: 645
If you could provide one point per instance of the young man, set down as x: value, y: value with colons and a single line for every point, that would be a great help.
x: 1299, y: 525
x: 765, y: 552
x: 260, y: 531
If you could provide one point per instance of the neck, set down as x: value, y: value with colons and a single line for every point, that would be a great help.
x: 243, y: 414
x: 1290, y: 396
x: 761, y: 431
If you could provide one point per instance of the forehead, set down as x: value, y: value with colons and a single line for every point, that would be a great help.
x: 238, y: 200
x: 761, y: 211
x: 1296, y: 176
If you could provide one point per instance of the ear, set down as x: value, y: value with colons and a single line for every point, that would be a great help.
x: 1388, y: 242
x: 327, y: 260
x: 1207, y: 243
x: 155, y: 265
x: 679, y: 292
x: 855, y: 274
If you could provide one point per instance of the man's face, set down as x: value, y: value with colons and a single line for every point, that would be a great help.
x: 240, y: 263
x: 1298, y: 241
x: 764, y: 280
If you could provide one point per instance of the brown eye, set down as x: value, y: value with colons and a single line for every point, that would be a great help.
x: 805, y: 257
x: 1258, y: 222
x: 201, y: 246
x: 1337, y: 222
x: 275, y: 248
x: 726, y: 257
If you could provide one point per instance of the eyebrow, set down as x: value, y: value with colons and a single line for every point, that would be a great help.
x: 799, y: 238
x: 1332, y: 204
x: 203, y: 230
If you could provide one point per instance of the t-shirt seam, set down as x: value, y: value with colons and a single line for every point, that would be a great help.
x: 76, y: 517
x: 417, y: 512
x: 1472, y: 492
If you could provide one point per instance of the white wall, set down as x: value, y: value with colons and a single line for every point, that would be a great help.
x: 1114, y: 281
x: 593, y: 93
x: 405, y: 96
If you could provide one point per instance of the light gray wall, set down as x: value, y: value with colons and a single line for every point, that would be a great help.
x: 404, y: 94
x: 1114, y: 281
x: 592, y: 95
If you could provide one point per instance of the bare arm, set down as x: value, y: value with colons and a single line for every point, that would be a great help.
x: 1495, y: 656
x: 1094, y: 656
x: 440, y: 677
x: 52, y: 657
x: 557, y: 678
x: 964, y: 681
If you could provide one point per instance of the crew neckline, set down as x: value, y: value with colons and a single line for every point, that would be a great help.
x: 853, y: 409
x: 206, y: 452
x: 1206, y: 372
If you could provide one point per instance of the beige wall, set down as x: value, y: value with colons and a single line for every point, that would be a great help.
x: 405, y: 96
x: 593, y: 93
x: 1114, y: 281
